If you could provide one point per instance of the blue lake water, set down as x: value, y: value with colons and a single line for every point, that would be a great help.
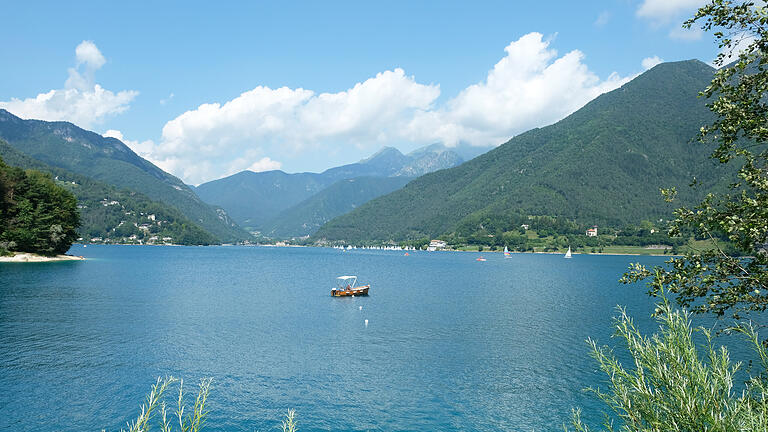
x: 451, y: 343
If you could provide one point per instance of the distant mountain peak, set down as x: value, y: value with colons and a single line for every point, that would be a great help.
x: 384, y: 153
x: 431, y: 148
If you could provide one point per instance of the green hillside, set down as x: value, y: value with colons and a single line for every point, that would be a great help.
x: 603, y: 165
x: 113, y: 215
x: 341, y: 197
x: 64, y: 145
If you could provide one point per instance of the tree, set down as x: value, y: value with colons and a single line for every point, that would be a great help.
x: 714, y: 280
x: 36, y: 215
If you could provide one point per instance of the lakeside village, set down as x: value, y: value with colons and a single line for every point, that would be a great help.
x: 542, y: 234
x: 645, y: 241
x: 536, y: 234
x: 146, y: 228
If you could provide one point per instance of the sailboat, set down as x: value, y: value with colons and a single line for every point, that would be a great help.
x: 568, y: 254
x: 506, y: 253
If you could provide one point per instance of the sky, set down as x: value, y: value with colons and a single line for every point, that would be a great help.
x: 208, y: 89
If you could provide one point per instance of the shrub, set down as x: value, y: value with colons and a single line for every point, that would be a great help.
x: 675, y: 385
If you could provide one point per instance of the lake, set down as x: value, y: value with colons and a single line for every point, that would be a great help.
x: 451, y: 343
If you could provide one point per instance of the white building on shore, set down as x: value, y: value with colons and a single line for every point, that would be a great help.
x: 436, y: 245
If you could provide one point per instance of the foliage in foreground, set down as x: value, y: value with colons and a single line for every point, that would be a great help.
x: 191, y: 421
x: 675, y: 385
x: 711, y: 280
x: 671, y: 387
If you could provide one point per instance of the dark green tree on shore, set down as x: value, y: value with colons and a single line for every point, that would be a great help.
x: 36, y: 215
x: 713, y: 280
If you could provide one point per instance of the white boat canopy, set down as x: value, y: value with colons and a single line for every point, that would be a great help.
x: 349, y: 281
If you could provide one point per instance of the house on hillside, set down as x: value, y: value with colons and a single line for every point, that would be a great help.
x: 592, y: 232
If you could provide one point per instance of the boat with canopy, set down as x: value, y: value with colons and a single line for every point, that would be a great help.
x: 346, y: 286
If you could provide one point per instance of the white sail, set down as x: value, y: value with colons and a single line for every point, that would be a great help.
x: 568, y: 254
x: 506, y: 252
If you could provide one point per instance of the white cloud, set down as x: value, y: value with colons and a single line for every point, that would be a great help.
x: 664, y: 11
x: 650, y: 62
x: 530, y: 86
x: 87, y: 53
x: 81, y: 101
x: 264, y: 164
x: 142, y: 148
x: 218, y: 139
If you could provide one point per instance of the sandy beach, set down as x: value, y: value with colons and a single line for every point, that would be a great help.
x: 30, y: 257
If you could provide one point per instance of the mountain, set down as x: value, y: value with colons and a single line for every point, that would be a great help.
x: 64, y: 145
x: 306, y: 217
x: 385, y: 162
x: 255, y: 200
x: 603, y: 164
x: 113, y: 215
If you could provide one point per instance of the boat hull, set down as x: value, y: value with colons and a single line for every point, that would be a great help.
x: 361, y: 291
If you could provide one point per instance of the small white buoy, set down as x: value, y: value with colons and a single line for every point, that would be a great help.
x: 366, y: 323
x: 360, y: 308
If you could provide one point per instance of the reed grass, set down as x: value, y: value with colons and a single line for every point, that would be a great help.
x: 194, y: 419
x: 675, y: 385
x: 289, y: 424
x: 191, y: 422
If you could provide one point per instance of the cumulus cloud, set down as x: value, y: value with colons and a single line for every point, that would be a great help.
x: 665, y: 11
x: 142, y: 148
x: 650, y: 62
x: 87, y: 53
x: 264, y: 164
x: 81, y: 101
x: 530, y: 86
x: 216, y: 139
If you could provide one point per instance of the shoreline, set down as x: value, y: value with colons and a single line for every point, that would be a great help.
x: 70, y: 257
x: 20, y: 257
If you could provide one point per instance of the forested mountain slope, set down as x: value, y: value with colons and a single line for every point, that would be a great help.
x: 64, y: 145
x: 603, y: 164
x: 115, y: 215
